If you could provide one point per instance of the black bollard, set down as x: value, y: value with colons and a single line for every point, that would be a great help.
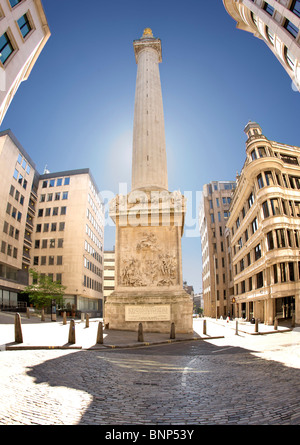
x: 72, y: 332
x: 140, y: 333
x: 18, y: 329
x: 100, y: 333
x: 172, y: 333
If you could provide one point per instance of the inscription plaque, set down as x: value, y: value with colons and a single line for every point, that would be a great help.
x: 147, y: 312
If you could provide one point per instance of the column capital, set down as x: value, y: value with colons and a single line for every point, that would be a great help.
x: 147, y: 41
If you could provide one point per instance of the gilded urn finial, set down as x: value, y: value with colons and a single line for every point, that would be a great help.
x: 148, y: 32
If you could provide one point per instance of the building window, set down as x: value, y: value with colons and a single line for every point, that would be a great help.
x: 65, y: 195
x: 275, y: 206
x: 270, y: 35
x: 282, y: 272
x: 14, y: 2
x: 259, y: 280
x: 291, y: 28
x: 260, y: 181
x: 250, y: 200
x: 257, y: 251
x: 290, y: 59
x: 265, y: 209
x: 269, y: 178
x: 24, y: 25
x: 280, y: 238
x: 270, y: 240
x: 268, y: 8
x: 6, y: 48
x: 295, y: 7
x: 254, y: 225
x: 59, y: 260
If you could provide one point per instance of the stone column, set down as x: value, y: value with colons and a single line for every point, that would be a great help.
x: 149, y: 160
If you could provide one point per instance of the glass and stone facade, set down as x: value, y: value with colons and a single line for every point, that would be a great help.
x: 18, y: 197
x: 216, y: 272
x: 265, y: 231
x: 68, y: 236
x: 277, y: 23
x: 53, y: 223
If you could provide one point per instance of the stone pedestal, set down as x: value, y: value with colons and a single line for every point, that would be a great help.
x: 148, y: 265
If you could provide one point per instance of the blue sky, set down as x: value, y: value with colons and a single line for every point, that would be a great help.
x: 76, y: 108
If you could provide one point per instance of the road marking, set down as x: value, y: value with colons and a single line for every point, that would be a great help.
x: 223, y: 349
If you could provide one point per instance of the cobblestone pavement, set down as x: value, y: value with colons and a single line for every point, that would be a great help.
x: 217, y: 382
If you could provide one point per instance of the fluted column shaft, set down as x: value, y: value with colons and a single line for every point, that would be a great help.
x: 149, y: 161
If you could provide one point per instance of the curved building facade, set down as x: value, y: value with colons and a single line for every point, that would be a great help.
x: 265, y: 231
x: 277, y: 23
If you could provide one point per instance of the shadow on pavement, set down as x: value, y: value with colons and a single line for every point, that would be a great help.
x: 186, y: 383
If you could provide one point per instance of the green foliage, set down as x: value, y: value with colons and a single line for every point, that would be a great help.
x: 44, y: 290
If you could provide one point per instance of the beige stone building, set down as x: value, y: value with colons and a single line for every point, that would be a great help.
x: 277, y: 23
x: 68, y: 236
x: 216, y: 275
x: 265, y: 231
x: 18, y: 197
x: 24, y: 32
x: 108, y: 273
x: 53, y: 223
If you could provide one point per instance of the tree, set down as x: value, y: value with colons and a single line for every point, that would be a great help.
x: 43, y: 290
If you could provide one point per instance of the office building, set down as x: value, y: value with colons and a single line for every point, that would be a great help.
x: 108, y: 273
x: 213, y: 216
x: 18, y: 197
x: 53, y: 223
x: 265, y: 232
x: 24, y: 32
x: 277, y: 23
x: 68, y: 236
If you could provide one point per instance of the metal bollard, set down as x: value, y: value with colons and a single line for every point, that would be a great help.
x: 236, y: 327
x: 256, y: 325
x: 27, y: 312
x: 204, y: 327
x: 18, y: 329
x: 43, y: 315
x: 100, y: 333
x: 276, y: 324
x: 87, y: 320
x: 172, y: 333
x: 82, y: 316
x: 64, y: 318
x: 140, y: 333
x: 72, y: 332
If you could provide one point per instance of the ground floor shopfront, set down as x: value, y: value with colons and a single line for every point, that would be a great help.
x: 267, y: 309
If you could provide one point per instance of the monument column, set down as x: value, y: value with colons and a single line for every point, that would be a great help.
x: 149, y: 160
x: 150, y: 220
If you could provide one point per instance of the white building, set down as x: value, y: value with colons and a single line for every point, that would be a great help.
x: 24, y: 32
x: 277, y: 23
